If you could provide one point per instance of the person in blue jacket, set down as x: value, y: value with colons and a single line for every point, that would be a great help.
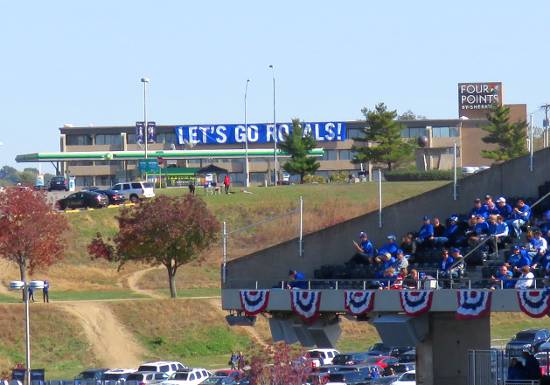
x: 490, y: 206
x: 446, y: 263
x: 520, y: 216
x: 504, y: 209
x: 452, y: 232
x: 296, y: 280
x: 478, y: 209
x: 365, y: 249
x: 505, y: 276
x: 426, y: 232
x: 390, y: 246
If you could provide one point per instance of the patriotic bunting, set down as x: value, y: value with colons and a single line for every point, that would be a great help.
x: 305, y: 303
x: 254, y: 301
x: 415, y: 303
x: 359, y: 302
x: 473, y: 304
x: 534, y: 303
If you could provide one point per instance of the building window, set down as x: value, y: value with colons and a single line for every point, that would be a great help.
x: 84, y: 181
x: 166, y: 138
x: 79, y: 140
x: 329, y: 155
x: 196, y: 162
x: 131, y: 138
x: 444, y: 132
x: 344, y: 154
x: 354, y: 133
x: 81, y: 163
x: 105, y: 180
x: 413, y: 132
x: 108, y: 139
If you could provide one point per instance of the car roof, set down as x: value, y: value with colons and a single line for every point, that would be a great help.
x: 144, y: 372
x: 322, y: 350
x: 160, y: 363
x: 119, y: 371
x: 95, y: 370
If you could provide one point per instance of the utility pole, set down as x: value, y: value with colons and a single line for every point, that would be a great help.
x: 545, y: 125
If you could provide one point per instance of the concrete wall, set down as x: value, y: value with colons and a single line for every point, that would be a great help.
x: 333, y: 245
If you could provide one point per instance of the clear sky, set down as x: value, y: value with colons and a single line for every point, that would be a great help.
x: 80, y: 62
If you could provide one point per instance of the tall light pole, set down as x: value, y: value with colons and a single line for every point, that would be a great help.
x: 275, y: 168
x: 145, y: 81
x: 247, y: 180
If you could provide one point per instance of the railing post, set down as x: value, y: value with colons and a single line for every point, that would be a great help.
x: 301, y: 242
x: 364, y: 285
x: 336, y: 286
x: 224, y: 265
x: 256, y: 285
x: 309, y: 285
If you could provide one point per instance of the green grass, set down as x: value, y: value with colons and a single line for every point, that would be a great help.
x: 92, y: 295
x: 9, y: 299
x: 194, y: 292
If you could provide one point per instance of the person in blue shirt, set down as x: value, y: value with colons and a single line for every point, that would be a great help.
x: 296, y: 280
x: 505, y: 276
x: 445, y: 265
x: 478, y: 209
x: 504, y: 209
x: 426, y: 232
x: 480, y: 231
x: 537, y: 246
x: 46, y: 291
x: 520, y: 216
x: 453, y: 233
x: 365, y: 249
x: 390, y: 246
x: 518, y: 259
x: 490, y: 206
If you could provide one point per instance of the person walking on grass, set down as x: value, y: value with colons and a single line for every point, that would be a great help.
x: 241, y: 362
x: 31, y: 294
x: 227, y: 183
x: 46, y: 292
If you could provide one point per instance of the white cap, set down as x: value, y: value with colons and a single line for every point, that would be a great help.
x: 501, y: 199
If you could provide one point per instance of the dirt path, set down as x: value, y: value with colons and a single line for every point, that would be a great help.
x: 250, y: 330
x: 133, y: 282
x: 111, y: 343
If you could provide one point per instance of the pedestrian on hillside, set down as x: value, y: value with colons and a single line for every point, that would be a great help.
x: 241, y: 362
x: 192, y: 187
x: 234, y: 361
x: 46, y: 291
x: 227, y: 183
x: 31, y: 294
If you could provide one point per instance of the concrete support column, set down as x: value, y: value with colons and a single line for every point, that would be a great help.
x: 442, y: 358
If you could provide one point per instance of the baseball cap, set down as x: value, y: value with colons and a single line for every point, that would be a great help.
x: 362, y: 233
x: 399, y: 251
x: 392, y: 237
x: 455, y: 250
x: 501, y: 199
x: 425, y: 218
x: 454, y: 218
x: 488, y: 196
x: 516, y: 247
x: 477, y: 200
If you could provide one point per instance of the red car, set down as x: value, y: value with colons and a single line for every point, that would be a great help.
x: 381, y: 361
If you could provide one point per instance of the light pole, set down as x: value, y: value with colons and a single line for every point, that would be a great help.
x: 145, y: 81
x: 247, y: 177
x: 23, y: 285
x: 275, y: 169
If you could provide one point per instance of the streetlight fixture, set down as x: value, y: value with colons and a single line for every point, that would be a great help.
x: 275, y: 169
x: 247, y: 180
x: 145, y: 81
x: 24, y: 285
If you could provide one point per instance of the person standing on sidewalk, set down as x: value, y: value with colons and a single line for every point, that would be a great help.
x: 227, y: 183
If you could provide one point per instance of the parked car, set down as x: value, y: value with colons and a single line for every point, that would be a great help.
x: 229, y: 373
x: 379, y: 349
x: 114, y: 196
x: 59, y: 183
x: 544, y: 362
x: 381, y: 361
x: 90, y: 375
x: 350, y: 358
x: 324, y: 356
x: 146, y: 378
x: 220, y: 380
x: 406, y: 357
x: 82, y: 200
x: 135, y: 191
x: 192, y: 376
x: 407, y: 378
x: 117, y: 376
x: 169, y: 367
x: 527, y: 340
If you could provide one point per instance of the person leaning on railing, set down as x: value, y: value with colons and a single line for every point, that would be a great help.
x: 504, y: 279
x: 526, y: 280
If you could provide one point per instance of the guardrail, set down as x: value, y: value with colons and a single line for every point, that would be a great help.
x: 429, y: 283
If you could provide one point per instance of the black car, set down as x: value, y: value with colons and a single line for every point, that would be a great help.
x: 379, y: 349
x: 59, y: 183
x: 82, y: 200
x: 350, y: 358
x: 527, y: 340
x: 90, y: 375
x: 115, y: 197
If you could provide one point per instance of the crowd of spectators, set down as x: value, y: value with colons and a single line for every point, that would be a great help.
x: 490, y: 226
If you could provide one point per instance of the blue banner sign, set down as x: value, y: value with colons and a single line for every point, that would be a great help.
x: 257, y: 132
x: 151, y: 132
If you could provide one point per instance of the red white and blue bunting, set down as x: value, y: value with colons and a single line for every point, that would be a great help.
x: 359, y: 302
x: 473, y: 304
x: 254, y: 301
x: 415, y: 303
x: 534, y: 303
x: 306, y: 303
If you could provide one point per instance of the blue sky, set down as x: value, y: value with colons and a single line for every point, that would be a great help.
x: 80, y: 62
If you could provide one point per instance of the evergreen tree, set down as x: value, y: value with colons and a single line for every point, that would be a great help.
x: 297, y: 145
x: 510, y: 138
x: 383, y: 134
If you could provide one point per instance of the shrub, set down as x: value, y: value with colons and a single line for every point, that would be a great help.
x: 314, y: 179
x: 407, y: 175
x: 339, y: 177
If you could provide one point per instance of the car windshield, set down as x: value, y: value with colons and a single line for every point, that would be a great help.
x: 408, y: 377
x: 525, y: 336
x: 87, y: 375
x: 313, y: 354
x: 180, y: 376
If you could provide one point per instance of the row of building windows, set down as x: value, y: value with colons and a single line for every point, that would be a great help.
x: 170, y: 137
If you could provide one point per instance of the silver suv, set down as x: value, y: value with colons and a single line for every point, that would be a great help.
x: 135, y: 191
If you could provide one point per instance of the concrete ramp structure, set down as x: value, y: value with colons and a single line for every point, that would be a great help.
x: 442, y: 339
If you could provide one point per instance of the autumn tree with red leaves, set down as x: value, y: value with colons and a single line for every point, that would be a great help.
x: 168, y: 231
x: 31, y: 232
